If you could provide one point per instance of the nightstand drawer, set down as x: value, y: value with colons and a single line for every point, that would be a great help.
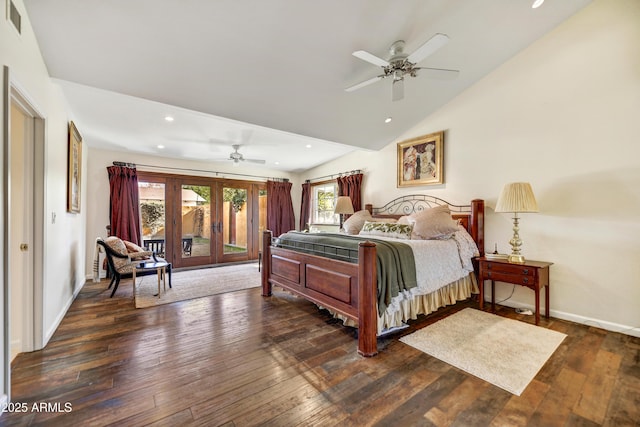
x: 517, y: 269
x: 501, y: 276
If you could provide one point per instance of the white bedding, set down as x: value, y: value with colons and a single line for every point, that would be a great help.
x: 438, y: 263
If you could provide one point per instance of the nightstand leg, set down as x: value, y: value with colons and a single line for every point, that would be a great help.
x: 493, y: 296
x: 537, y: 291
x: 546, y: 302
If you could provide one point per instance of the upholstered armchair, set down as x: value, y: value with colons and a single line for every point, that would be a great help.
x: 121, y: 259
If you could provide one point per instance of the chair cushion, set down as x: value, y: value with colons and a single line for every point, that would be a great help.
x: 122, y: 265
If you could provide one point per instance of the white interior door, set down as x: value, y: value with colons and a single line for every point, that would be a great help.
x: 21, y: 226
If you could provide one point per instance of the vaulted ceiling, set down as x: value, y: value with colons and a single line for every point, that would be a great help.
x: 268, y: 75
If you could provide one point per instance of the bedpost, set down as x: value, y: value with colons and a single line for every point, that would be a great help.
x: 367, y: 300
x: 266, y: 263
x: 369, y: 207
x: 477, y: 223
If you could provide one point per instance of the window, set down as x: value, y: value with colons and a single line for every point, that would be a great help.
x: 323, y: 201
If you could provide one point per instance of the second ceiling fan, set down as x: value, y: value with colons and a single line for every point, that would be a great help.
x: 401, y: 64
x: 237, y: 157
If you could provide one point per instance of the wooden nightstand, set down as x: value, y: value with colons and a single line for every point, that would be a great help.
x: 532, y: 274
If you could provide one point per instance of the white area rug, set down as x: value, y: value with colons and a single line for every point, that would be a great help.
x: 505, y: 352
x: 198, y: 283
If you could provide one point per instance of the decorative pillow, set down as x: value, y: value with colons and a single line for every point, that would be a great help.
x: 387, y: 229
x: 434, y: 223
x: 136, y: 252
x: 387, y: 220
x: 354, y: 223
x: 132, y: 247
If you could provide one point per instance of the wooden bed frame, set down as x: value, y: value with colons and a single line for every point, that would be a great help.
x: 347, y: 288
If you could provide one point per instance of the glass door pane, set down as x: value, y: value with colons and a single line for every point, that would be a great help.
x: 235, y: 216
x: 152, y: 213
x: 195, y: 220
x: 262, y: 215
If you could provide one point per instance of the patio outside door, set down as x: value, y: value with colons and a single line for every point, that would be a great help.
x: 196, y: 221
x: 233, y: 227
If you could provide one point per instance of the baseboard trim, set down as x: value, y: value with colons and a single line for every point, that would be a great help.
x: 4, y: 400
x: 583, y: 320
x: 60, y: 316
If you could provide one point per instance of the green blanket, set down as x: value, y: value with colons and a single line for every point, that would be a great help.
x: 396, y: 268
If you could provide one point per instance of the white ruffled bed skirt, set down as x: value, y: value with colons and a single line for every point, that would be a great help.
x: 404, y: 308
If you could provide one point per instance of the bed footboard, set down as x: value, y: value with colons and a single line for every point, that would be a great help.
x: 347, y: 288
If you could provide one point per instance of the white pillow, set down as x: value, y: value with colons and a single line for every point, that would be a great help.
x: 434, y: 223
x: 354, y: 223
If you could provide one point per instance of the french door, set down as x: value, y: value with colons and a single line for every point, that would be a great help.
x: 206, y: 221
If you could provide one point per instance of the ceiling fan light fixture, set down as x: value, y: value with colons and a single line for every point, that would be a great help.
x: 400, y: 64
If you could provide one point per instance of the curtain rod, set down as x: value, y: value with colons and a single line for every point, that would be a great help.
x: 347, y: 173
x: 133, y: 165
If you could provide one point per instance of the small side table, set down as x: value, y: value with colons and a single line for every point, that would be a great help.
x: 161, y: 267
x: 532, y: 274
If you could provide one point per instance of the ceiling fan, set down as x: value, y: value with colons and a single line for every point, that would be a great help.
x: 238, y: 157
x: 401, y: 64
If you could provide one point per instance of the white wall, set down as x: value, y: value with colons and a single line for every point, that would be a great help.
x: 564, y: 115
x: 64, y: 241
x: 98, y: 184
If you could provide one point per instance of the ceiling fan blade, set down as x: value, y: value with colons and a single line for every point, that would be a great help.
x: 262, y: 162
x: 433, y: 44
x: 397, y: 90
x: 363, y: 84
x: 438, y: 73
x: 370, y: 58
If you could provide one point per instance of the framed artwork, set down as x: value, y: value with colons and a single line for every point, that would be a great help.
x: 74, y: 178
x: 420, y: 160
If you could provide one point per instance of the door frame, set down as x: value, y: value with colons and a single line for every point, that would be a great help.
x: 15, y: 94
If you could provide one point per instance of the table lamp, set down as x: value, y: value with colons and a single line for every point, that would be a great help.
x: 343, y: 206
x: 516, y: 197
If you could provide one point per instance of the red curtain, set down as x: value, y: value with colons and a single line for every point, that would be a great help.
x: 305, y: 206
x: 280, y: 216
x: 351, y: 186
x: 124, y: 213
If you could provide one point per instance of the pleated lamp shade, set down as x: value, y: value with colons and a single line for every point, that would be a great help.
x: 344, y: 205
x: 517, y: 197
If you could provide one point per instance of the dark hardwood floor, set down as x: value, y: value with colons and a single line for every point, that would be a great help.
x: 239, y: 359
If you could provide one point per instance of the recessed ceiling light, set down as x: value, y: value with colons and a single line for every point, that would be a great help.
x: 536, y: 4
x: 168, y: 118
x: 388, y: 120
x: 161, y: 146
x: 308, y: 145
x: 277, y: 163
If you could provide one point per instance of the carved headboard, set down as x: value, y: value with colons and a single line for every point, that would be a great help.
x: 471, y: 216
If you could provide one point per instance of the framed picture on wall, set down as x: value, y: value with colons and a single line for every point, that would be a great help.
x: 420, y: 160
x: 74, y: 178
